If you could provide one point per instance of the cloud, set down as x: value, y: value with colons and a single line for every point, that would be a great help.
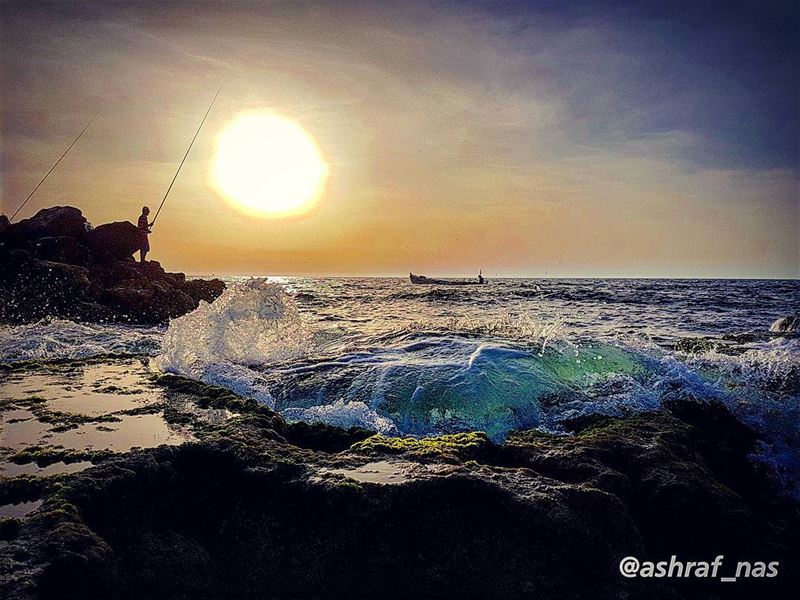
x: 604, y: 141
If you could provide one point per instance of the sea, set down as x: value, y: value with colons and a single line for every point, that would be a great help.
x: 403, y: 359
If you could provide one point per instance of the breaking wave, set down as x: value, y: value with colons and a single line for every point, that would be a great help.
x: 424, y: 368
x: 466, y: 373
x: 253, y: 323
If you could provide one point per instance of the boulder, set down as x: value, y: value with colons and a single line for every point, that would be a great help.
x: 204, y: 289
x: 62, y: 248
x: 52, y: 222
x: 151, y: 269
x: 169, y: 303
x: 787, y: 324
x: 115, y: 240
x: 51, y: 266
x: 175, y: 279
x: 127, y: 273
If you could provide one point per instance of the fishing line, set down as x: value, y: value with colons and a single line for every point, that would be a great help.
x: 160, y: 206
x: 52, y: 169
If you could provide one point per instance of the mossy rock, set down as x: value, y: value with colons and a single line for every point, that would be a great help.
x: 462, y: 445
x: 696, y: 345
x: 728, y: 344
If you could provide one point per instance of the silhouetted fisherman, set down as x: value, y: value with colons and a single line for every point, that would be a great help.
x: 144, y: 228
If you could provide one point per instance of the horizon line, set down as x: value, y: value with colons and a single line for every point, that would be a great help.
x: 503, y: 277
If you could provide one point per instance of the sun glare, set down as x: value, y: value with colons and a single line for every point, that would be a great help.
x: 269, y: 166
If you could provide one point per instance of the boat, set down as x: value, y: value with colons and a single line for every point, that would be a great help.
x: 422, y: 280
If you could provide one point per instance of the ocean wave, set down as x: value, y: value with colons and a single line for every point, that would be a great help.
x: 435, y: 294
x: 487, y: 373
x: 449, y: 362
x: 57, y: 339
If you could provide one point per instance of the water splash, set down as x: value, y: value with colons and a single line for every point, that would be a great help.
x: 771, y: 365
x: 343, y: 414
x: 762, y: 388
x: 254, y: 323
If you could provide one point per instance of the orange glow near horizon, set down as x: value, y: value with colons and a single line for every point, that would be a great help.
x: 378, y: 139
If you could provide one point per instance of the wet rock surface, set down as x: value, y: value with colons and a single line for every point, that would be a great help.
x: 253, y: 507
x: 51, y: 265
x: 787, y: 324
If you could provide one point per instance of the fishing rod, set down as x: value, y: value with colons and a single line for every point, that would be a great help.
x: 52, y: 168
x: 160, y: 206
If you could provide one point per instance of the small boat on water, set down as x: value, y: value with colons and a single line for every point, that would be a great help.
x: 422, y: 280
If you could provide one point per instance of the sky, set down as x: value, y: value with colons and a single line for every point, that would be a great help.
x: 554, y: 139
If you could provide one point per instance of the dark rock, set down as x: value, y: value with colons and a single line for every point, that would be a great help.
x: 787, y: 324
x: 731, y: 344
x: 31, y: 289
x: 698, y: 345
x: 154, y: 301
x: 170, y: 301
x: 319, y: 436
x: 9, y: 529
x: 62, y: 249
x: 244, y: 514
x: 205, y: 289
x: 151, y: 269
x: 580, y: 422
x: 88, y: 276
x: 52, y: 222
x: 118, y: 240
x: 176, y: 279
x: 127, y: 300
x: 4, y: 225
x: 126, y: 273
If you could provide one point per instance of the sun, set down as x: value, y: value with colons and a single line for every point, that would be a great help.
x: 269, y: 166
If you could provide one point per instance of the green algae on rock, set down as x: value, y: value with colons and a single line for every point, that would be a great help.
x: 463, y: 445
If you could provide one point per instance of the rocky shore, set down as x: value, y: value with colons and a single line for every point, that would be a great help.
x: 253, y: 507
x: 55, y: 265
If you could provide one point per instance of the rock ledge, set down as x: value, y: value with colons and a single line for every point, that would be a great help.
x: 55, y: 265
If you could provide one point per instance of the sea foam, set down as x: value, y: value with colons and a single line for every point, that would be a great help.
x: 57, y: 339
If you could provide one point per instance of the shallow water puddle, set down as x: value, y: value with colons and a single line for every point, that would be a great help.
x: 131, y: 431
x: 90, y: 391
x: 19, y: 510
x: 93, y: 404
x: 20, y: 429
x: 381, y: 471
x: 59, y: 468
x: 139, y: 431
